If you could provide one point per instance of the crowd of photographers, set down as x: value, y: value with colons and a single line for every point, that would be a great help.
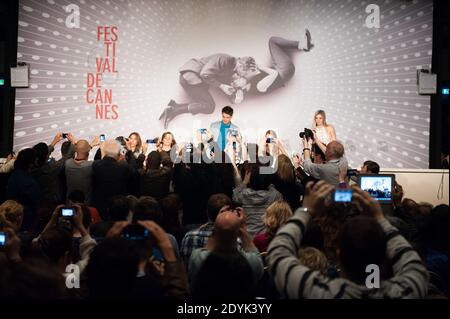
x: 135, y: 223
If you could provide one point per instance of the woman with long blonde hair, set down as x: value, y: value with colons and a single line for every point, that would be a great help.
x: 276, y: 215
x: 324, y: 133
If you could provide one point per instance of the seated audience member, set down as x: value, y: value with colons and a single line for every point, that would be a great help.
x: 224, y: 276
x: 11, y: 215
x: 147, y: 208
x: 228, y: 227
x: 155, y: 180
x: 335, y: 168
x: 434, y: 244
x: 370, y: 167
x: 23, y: 188
x: 171, y: 216
x: 314, y: 259
x: 275, y: 216
x: 122, y: 259
x: 78, y: 171
x: 132, y: 201
x: 33, y: 279
x: 364, y: 240
x: 255, y: 193
x: 198, y: 237
x: 117, y: 210
x: 192, y: 181
x: 285, y: 182
x: 77, y: 197
x: 48, y: 175
x: 56, y: 241
x: 111, y: 176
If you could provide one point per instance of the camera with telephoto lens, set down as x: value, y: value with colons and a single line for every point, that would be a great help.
x: 307, y: 133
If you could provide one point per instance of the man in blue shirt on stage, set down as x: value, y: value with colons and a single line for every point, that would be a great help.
x: 220, y: 129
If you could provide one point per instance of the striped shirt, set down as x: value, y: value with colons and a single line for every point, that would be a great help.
x: 294, y: 280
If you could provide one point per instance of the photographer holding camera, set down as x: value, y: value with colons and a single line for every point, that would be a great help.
x: 334, y: 170
x: 222, y: 245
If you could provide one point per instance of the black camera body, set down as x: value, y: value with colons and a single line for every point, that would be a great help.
x: 307, y: 133
x: 152, y: 141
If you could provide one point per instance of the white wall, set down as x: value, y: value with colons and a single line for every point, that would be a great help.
x: 422, y: 185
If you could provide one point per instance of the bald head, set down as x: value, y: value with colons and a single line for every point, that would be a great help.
x: 335, y: 150
x: 82, y: 148
x: 226, y: 230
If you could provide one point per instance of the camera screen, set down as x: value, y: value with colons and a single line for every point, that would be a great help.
x: 102, y: 138
x: 67, y: 212
x: 343, y: 196
x: 378, y: 186
x: 135, y: 232
x: 2, y: 239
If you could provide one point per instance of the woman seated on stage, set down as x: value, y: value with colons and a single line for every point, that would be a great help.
x: 323, y: 134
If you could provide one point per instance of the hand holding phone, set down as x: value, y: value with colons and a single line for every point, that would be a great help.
x: 3, y: 240
x: 135, y: 232
x: 343, y: 196
x: 67, y: 212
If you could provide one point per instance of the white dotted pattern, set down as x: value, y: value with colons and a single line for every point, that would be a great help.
x: 364, y: 78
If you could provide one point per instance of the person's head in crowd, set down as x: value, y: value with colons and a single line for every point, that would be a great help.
x: 226, y: 231
x: 41, y: 154
x: 171, y: 206
x: 276, y: 215
x: 224, y: 276
x: 11, y: 214
x: 167, y: 141
x: 258, y: 181
x: 330, y: 224
x: 424, y: 208
x: 55, y: 245
x: 434, y: 229
x: 285, y: 169
x: 320, y: 119
x: 33, y: 279
x: 409, y: 206
x: 135, y: 142
x: 313, y: 258
x: 25, y: 159
x: 313, y: 236
x: 112, y: 268
x: 334, y: 150
x: 227, y: 115
x: 370, y: 167
x: 166, y: 161
x: 215, y: 204
x: 153, y: 160
x: 82, y: 149
x: 147, y: 208
x: 118, y: 208
x: 67, y: 150
x: 132, y: 201
x: 362, y: 242
x: 76, y: 197
x: 111, y: 149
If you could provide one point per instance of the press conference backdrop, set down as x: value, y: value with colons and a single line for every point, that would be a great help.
x: 364, y: 77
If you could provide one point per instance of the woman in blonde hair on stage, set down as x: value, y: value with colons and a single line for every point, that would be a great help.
x: 324, y: 133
